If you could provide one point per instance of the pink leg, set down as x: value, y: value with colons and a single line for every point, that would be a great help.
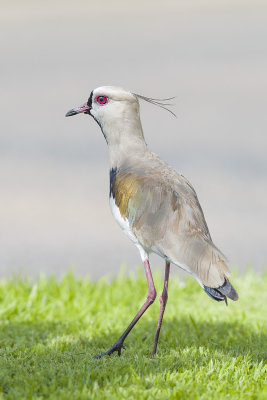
x: 118, y: 345
x: 163, y: 301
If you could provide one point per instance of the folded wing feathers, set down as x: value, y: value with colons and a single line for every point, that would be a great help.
x: 173, y: 224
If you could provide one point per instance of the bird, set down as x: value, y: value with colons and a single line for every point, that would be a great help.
x: 156, y: 207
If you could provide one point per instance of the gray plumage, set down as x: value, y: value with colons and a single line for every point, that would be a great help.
x: 165, y: 216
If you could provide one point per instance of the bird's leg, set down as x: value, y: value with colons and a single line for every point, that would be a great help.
x: 118, y: 345
x: 163, y: 301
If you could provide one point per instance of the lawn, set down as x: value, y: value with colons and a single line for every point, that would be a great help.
x: 50, y: 330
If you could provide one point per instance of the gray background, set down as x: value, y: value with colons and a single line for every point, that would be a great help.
x: 212, y: 55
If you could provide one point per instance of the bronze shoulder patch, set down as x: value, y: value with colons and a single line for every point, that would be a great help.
x: 123, y: 186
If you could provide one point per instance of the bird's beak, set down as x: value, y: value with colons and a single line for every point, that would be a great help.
x: 82, y: 109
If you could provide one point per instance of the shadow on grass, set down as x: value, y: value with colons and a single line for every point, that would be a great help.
x: 231, y: 338
x: 36, y: 357
x: 175, y: 335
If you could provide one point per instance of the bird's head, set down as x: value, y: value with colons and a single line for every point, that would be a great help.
x: 111, y: 107
x: 116, y: 111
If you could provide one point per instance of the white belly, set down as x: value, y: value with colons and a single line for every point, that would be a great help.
x: 124, y: 224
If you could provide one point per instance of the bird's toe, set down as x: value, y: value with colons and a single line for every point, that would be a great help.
x: 117, y: 346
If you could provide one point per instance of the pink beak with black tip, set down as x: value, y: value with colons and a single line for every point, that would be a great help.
x: 82, y: 109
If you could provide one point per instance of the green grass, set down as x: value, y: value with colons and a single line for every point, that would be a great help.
x: 50, y: 330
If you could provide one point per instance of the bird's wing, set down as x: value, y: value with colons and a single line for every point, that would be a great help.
x: 194, y: 247
x: 164, y: 214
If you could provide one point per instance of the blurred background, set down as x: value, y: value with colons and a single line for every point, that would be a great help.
x: 54, y: 171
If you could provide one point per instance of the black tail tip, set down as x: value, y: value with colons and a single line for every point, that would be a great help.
x: 222, y: 292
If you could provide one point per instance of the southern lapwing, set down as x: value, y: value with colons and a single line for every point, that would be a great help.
x: 156, y: 207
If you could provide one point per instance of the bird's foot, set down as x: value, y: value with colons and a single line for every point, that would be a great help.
x: 117, y: 346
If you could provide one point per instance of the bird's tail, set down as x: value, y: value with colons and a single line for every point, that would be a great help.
x: 208, y: 265
x: 222, y: 292
x: 213, y: 273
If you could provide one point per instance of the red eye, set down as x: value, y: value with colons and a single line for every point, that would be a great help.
x: 101, y: 100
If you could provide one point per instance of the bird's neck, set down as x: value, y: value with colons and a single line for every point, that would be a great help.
x: 125, y: 139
